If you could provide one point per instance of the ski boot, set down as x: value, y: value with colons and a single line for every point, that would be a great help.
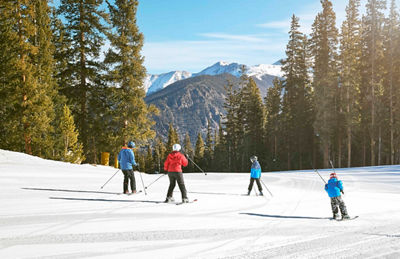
x: 185, y: 200
x: 344, y: 217
x: 134, y: 191
x: 261, y: 193
x: 169, y: 199
x: 336, y: 216
x: 248, y: 193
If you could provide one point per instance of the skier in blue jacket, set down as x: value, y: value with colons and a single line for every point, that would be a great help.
x: 255, y: 174
x: 334, y: 187
x: 126, y: 159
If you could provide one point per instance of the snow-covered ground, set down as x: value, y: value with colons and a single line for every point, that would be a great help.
x: 52, y: 209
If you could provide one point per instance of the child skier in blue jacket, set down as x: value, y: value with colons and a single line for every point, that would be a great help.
x: 334, y: 188
x: 255, y: 174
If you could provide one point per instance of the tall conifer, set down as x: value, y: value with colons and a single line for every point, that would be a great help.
x: 324, y: 39
x: 350, y: 80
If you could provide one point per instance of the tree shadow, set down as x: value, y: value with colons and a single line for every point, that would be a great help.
x: 103, y: 200
x: 283, y: 217
x: 64, y: 190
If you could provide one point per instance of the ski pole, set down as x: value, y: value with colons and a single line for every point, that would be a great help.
x: 318, y: 173
x: 330, y: 161
x: 196, y: 164
x: 266, y: 187
x: 144, y: 189
x: 154, y: 181
x: 110, y: 179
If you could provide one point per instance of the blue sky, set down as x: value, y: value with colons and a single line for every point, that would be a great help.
x: 193, y: 34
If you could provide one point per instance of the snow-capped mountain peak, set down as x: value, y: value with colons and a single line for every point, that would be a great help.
x: 154, y: 83
x: 221, y: 67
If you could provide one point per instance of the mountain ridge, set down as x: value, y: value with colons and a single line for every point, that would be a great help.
x: 154, y: 83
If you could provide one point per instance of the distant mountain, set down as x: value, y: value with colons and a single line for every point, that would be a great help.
x: 220, y: 68
x: 154, y: 83
x: 189, y: 103
x: 263, y: 74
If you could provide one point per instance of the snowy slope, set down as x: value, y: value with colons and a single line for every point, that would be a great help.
x: 57, y: 210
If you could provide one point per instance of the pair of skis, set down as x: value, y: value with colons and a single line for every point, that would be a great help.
x: 180, y: 203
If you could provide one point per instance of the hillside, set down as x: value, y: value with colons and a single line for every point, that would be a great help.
x: 57, y: 210
x: 189, y: 103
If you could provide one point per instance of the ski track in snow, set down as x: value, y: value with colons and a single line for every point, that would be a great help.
x: 57, y: 210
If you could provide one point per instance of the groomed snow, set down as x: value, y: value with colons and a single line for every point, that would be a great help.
x: 53, y: 209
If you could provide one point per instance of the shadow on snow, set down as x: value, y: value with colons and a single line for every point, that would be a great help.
x: 283, y: 217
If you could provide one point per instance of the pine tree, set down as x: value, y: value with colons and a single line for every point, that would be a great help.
x: 160, y: 153
x: 208, y: 148
x: 84, y: 23
x: 323, y: 46
x: 273, y: 127
x: 72, y: 149
x: 391, y: 77
x: 372, y: 62
x: 172, y: 138
x: 149, y: 164
x: 131, y: 116
x: 252, y: 108
x: 188, y: 148
x: 199, y: 151
x: 233, y: 127
x: 27, y: 89
x: 297, y: 96
x: 350, y: 80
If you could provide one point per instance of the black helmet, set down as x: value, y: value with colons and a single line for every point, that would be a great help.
x: 253, y: 158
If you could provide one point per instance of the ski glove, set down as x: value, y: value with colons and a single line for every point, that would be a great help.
x: 342, y: 191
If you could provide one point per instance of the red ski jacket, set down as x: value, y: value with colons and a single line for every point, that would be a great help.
x: 174, y: 162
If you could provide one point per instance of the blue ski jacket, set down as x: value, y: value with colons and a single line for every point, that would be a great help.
x: 255, y: 171
x: 333, y: 187
x: 126, y: 158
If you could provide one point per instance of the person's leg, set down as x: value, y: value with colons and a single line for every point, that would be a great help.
x: 133, y: 182
x: 126, y: 179
x: 251, y: 185
x: 181, y: 184
x: 342, y: 206
x: 259, y: 184
x: 335, y: 205
x: 172, y: 182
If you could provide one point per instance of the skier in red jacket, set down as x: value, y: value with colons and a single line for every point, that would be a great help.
x: 173, y: 165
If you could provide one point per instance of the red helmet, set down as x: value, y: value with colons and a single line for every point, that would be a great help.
x: 333, y: 175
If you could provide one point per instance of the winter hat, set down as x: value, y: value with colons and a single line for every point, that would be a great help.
x: 176, y: 147
x: 253, y: 158
x: 131, y: 144
x: 333, y: 175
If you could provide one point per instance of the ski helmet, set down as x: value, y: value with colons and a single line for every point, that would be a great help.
x: 176, y: 147
x: 333, y: 175
x: 131, y: 144
x: 253, y: 158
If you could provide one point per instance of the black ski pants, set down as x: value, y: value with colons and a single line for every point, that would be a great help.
x: 176, y: 177
x: 338, y: 203
x: 129, y: 175
x: 258, y: 184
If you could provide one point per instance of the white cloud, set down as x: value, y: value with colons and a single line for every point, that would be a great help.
x: 194, y: 56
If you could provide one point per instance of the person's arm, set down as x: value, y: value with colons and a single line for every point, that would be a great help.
x: 133, y: 158
x: 340, y: 186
